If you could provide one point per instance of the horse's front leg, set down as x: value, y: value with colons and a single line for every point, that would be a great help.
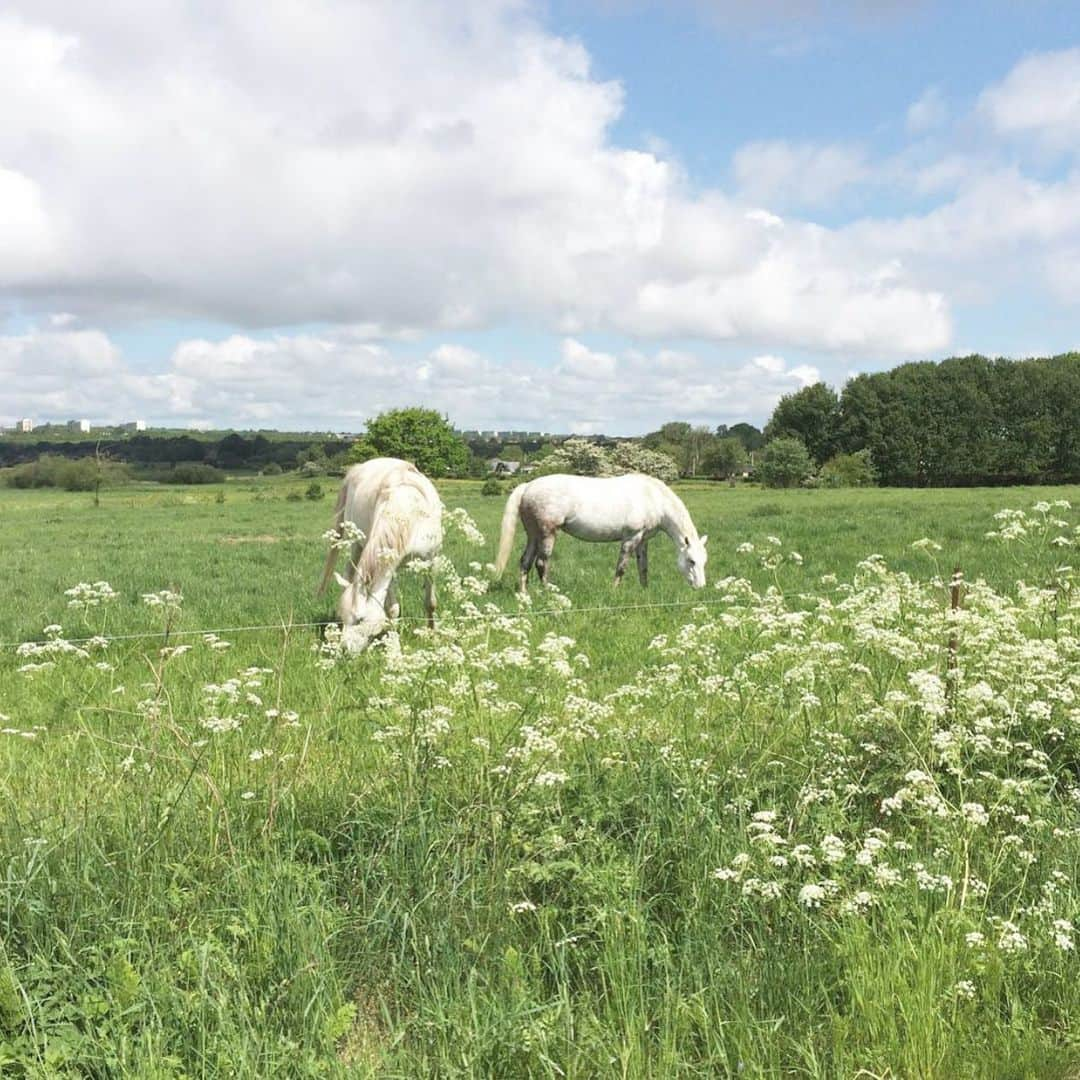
x: 625, y: 551
x: 643, y: 562
x: 430, y: 600
x: 393, y: 604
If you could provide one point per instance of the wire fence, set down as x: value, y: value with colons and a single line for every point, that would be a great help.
x: 287, y: 627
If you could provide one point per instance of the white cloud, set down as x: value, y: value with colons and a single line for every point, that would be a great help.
x: 406, y: 165
x: 582, y: 362
x: 797, y: 173
x: 1063, y: 277
x: 928, y: 112
x: 1002, y: 229
x: 333, y: 380
x: 443, y: 167
x: 772, y: 364
x: 79, y: 354
x: 1040, y: 96
x: 806, y: 374
x: 27, y: 240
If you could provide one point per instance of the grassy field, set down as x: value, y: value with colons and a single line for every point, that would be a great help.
x: 805, y: 823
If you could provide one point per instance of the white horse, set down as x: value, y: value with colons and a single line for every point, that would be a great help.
x: 399, y: 513
x: 630, y: 509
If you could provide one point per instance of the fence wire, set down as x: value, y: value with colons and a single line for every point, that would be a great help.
x: 286, y: 627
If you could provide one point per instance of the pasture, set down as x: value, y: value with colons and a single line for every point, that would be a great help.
x: 806, y: 822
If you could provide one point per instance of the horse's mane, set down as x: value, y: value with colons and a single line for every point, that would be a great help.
x: 401, y: 502
x: 677, y: 508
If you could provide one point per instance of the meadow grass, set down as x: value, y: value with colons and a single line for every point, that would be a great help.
x: 806, y: 823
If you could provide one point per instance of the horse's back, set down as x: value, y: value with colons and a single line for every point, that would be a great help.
x: 377, y: 471
x: 595, y: 507
x: 371, y: 483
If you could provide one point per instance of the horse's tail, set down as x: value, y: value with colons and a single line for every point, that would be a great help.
x: 509, y: 526
x: 332, y: 554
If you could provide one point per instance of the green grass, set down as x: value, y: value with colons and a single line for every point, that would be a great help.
x: 335, y: 895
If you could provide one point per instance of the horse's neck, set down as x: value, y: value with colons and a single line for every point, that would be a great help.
x: 675, y: 519
x: 380, y: 585
x: 382, y: 553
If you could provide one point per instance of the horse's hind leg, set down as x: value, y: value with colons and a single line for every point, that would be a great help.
x: 430, y: 600
x: 528, y: 557
x: 393, y: 605
x: 643, y: 562
x: 543, y: 560
x: 624, y: 558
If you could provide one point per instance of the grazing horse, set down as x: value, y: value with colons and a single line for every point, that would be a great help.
x: 399, y: 514
x: 630, y: 509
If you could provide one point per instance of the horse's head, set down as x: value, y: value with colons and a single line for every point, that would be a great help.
x: 363, y: 617
x: 692, y: 558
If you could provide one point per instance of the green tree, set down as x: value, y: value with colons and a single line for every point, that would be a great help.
x: 675, y: 431
x: 750, y: 436
x: 784, y: 463
x: 418, y: 435
x: 725, y: 458
x: 849, y: 470
x: 697, y: 444
x: 811, y: 415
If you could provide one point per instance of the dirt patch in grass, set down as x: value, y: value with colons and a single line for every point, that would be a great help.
x: 261, y: 538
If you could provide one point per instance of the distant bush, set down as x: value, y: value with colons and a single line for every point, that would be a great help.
x: 632, y: 457
x: 491, y: 486
x: 71, y: 474
x: 273, y: 469
x: 314, y: 491
x: 849, y: 470
x: 785, y: 463
x: 313, y: 468
x: 294, y: 496
x: 193, y: 473
x: 584, y: 458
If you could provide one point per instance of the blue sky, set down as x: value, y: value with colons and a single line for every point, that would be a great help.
x: 589, y: 216
x: 819, y: 76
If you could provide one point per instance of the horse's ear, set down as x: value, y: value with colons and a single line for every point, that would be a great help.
x: 342, y: 581
x: 704, y: 539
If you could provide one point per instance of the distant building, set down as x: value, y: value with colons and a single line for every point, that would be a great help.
x: 78, y: 425
x: 25, y: 425
x: 503, y: 468
x: 134, y: 425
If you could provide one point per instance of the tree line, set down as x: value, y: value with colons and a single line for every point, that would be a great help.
x: 964, y: 421
x: 233, y: 451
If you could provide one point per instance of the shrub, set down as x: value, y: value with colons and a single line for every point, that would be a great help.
x: 632, y: 457
x: 193, y: 473
x: 581, y: 457
x: 313, y: 468
x: 784, y: 463
x: 294, y: 496
x: 273, y: 469
x: 78, y: 474
x: 584, y: 458
x: 849, y: 470
x: 491, y: 487
x: 314, y: 490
